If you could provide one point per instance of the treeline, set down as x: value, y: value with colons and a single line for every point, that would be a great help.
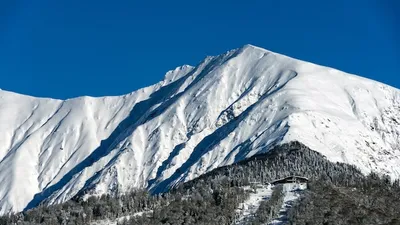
x: 83, y: 212
x: 285, y: 160
x: 213, y: 197
x: 203, y: 206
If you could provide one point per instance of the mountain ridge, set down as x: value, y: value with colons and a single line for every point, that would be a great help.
x: 227, y: 108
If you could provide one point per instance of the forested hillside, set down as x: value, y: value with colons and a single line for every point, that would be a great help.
x: 338, y: 194
x: 374, y: 201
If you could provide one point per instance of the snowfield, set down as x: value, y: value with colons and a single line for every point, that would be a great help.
x: 227, y: 108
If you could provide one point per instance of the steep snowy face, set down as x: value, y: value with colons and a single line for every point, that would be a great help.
x: 225, y: 109
x: 47, y: 142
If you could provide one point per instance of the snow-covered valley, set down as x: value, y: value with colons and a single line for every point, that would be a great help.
x: 227, y: 108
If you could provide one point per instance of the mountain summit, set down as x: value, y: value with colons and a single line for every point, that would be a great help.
x: 227, y: 108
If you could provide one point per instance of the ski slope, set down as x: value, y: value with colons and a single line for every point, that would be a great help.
x: 291, y: 193
x: 120, y: 219
x: 227, y: 108
x: 248, y: 208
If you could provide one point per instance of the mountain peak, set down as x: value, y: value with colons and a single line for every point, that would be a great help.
x: 226, y: 109
x: 250, y: 46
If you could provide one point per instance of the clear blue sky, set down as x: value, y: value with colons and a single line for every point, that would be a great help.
x: 64, y: 49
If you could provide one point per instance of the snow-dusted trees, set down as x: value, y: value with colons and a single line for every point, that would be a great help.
x: 336, y: 191
x: 269, y: 209
x: 372, y: 201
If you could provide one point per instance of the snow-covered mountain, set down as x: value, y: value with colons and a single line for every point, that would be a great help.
x: 225, y: 109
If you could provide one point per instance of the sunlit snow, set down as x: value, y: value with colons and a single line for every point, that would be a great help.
x: 225, y: 109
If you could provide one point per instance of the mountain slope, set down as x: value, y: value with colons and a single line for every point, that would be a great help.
x: 240, y: 193
x: 225, y: 109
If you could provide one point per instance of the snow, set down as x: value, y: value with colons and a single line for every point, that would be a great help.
x: 225, y: 109
x: 249, y: 207
x: 291, y: 194
x: 120, y: 219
